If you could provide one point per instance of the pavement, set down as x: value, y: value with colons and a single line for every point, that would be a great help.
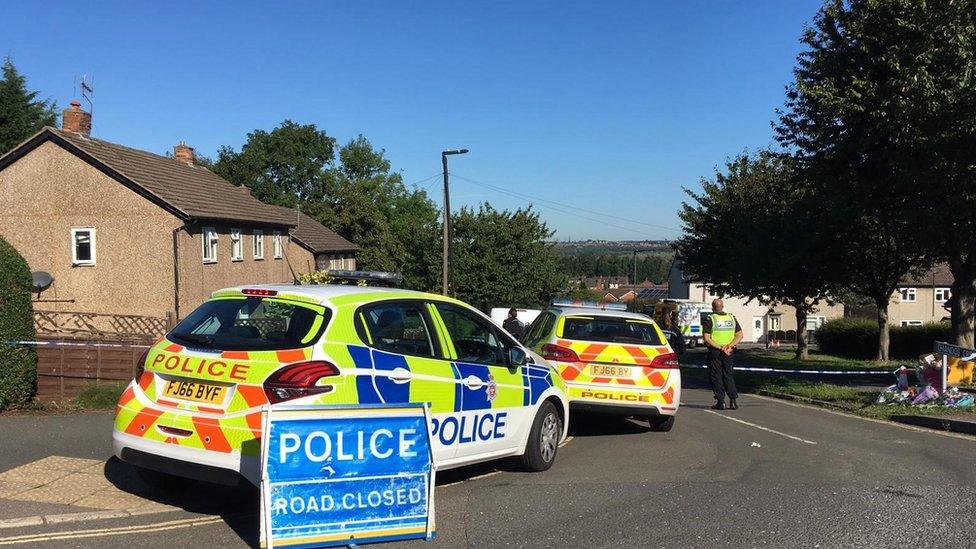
x: 771, y: 474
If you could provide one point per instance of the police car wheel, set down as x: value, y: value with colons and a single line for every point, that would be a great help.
x: 540, y: 451
x: 661, y: 424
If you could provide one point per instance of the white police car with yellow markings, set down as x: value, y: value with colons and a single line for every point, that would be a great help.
x: 194, y: 408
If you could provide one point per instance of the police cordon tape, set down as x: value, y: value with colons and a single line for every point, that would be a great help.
x: 786, y: 371
x: 16, y: 342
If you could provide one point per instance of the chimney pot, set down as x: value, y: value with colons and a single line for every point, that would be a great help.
x: 74, y: 119
x: 184, y: 153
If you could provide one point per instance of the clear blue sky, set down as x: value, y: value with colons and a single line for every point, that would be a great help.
x: 608, y: 106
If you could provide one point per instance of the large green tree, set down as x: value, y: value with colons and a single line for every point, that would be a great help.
x: 752, y: 233
x: 503, y: 259
x: 22, y: 114
x: 872, y: 118
x: 284, y: 166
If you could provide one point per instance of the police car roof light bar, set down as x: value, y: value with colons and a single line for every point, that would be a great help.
x: 588, y: 304
x: 376, y: 277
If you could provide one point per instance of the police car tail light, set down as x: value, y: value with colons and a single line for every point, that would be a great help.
x: 665, y: 361
x: 559, y: 353
x: 141, y: 366
x: 299, y: 380
x: 260, y: 292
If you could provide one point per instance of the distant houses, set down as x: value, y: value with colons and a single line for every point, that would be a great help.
x: 125, y: 232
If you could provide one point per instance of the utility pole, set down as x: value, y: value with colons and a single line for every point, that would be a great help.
x: 447, y: 216
x: 634, y: 281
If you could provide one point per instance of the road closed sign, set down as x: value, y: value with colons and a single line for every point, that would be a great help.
x: 346, y: 475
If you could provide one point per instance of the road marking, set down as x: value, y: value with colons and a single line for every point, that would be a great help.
x: 118, y: 531
x: 760, y: 427
x: 871, y: 419
x: 565, y: 442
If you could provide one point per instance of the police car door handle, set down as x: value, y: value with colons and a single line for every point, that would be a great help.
x: 473, y: 382
x: 400, y: 375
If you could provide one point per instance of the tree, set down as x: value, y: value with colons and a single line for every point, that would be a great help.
x: 751, y: 233
x: 503, y: 259
x: 284, y: 166
x: 21, y: 113
x: 18, y: 364
x: 857, y: 117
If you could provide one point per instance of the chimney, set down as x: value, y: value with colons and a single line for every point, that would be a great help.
x: 73, y: 119
x: 245, y: 189
x: 183, y: 153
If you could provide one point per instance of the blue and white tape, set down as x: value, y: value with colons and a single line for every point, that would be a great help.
x: 16, y: 342
x: 785, y: 371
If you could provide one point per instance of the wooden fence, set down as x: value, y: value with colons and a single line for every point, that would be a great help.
x: 65, y: 366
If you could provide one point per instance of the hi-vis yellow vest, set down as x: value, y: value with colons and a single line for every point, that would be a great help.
x: 723, y: 328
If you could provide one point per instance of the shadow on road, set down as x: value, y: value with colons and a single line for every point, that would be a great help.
x: 591, y: 424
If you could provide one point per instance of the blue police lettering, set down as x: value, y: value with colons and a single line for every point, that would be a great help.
x: 478, y: 427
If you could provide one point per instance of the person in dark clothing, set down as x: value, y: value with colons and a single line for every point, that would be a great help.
x: 513, y: 325
x: 721, y: 334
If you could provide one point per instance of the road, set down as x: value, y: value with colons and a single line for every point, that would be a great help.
x: 771, y: 474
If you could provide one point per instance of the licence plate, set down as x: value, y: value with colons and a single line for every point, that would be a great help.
x: 604, y: 370
x: 195, y: 391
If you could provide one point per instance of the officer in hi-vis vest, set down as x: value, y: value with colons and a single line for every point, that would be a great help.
x: 721, y: 333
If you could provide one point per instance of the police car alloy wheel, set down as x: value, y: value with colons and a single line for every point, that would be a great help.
x: 540, y: 451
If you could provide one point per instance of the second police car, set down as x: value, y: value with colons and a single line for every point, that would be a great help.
x: 612, y: 360
x: 194, y: 408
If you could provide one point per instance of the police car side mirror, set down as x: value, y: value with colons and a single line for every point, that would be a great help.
x: 516, y: 356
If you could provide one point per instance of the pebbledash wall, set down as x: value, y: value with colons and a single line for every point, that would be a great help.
x: 49, y: 191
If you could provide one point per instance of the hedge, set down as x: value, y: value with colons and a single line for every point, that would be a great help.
x: 858, y: 338
x: 18, y: 364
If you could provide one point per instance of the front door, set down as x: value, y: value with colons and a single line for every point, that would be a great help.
x: 493, y: 404
x: 757, y: 328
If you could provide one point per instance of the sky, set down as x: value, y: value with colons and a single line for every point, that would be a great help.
x: 598, y: 113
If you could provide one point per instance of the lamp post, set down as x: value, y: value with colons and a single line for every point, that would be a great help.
x: 447, y: 215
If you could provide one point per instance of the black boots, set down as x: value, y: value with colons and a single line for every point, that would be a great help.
x: 719, y: 405
x: 733, y: 405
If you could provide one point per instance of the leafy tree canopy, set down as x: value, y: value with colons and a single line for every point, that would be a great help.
x: 21, y: 113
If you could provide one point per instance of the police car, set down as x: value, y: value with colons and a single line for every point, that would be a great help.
x: 612, y: 361
x: 194, y: 407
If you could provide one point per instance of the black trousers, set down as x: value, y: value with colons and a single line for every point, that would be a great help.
x: 720, y: 374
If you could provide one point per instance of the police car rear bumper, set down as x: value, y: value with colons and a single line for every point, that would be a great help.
x: 228, y: 469
x: 620, y: 409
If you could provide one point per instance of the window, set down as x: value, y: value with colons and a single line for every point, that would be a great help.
x: 775, y: 322
x: 236, y: 245
x: 82, y: 246
x: 252, y: 324
x: 399, y: 328
x: 611, y: 330
x: 908, y: 295
x: 277, y: 244
x: 474, y: 339
x: 258, y: 244
x: 209, y: 245
x: 911, y: 322
x: 942, y: 295
x: 539, y: 329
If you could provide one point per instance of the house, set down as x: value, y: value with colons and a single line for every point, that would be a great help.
x: 605, y: 282
x: 919, y: 300
x: 757, y: 320
x: 127, y: 232
x: 328, y: 250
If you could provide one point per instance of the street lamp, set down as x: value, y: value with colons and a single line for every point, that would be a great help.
x: 447, y: 214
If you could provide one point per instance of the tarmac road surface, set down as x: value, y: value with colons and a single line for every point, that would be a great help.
x: 771, y: 474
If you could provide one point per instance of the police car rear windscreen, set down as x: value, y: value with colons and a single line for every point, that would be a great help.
x: 611, y: 330
x: 251, y: 324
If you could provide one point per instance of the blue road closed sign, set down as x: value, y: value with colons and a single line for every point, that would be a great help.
x: 346, y: 475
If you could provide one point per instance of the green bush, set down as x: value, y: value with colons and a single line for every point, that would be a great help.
x: 100, y: 396
x: 18, y: 364
x: 858, y: 338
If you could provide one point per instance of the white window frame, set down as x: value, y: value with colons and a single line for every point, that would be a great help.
x: 909, y: 294
x: 211, y: 241
x: 257, y: 248
x: 942, y: 295
x: 278, y: 248
x: 236, y: 245
x: 905, y: 323
x: 74, y: 246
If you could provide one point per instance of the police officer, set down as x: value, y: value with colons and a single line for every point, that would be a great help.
x: 513, y: 325
x: 721, y: 333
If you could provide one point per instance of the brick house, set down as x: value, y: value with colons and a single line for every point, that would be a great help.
x: 127, y: 232
x: 328, y: 250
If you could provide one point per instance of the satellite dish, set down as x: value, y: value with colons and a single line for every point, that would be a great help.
x: 41, y: 281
